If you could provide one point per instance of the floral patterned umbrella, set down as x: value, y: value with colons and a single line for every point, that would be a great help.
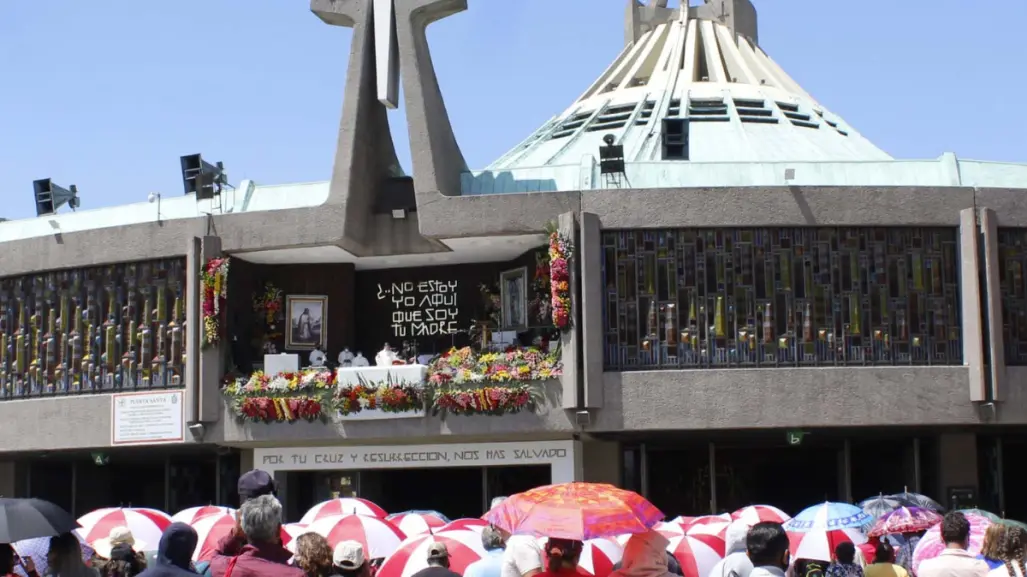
x: 982, y: 513
x: 905, y: 520
x: 578, y: 511
x: 931, y: 544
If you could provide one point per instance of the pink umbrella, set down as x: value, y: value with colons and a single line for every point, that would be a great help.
x: 931, y: 545
x: 598, y: 556
x: 212, y: 528
x: 412, y: 555
x: 904, y: 520
x: 697, y: 555
x: 378, y: 536
x: 146, y: 525
x: 194, y: 514
x: 761, y: 513
x: 343, y: 506
x: 416, y: 523
x: 477, y: 525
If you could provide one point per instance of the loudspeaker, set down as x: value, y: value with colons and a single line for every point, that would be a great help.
x: 50, y: 197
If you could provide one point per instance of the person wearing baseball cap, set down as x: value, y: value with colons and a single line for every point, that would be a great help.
x: 252, y: 484
x: 349, y: 560
x: 438, y: 562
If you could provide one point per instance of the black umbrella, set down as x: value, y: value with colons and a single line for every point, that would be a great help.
x: 917, y: 500
x: 30, y: 518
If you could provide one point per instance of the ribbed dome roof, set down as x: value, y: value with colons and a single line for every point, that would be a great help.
x: 740, y: 106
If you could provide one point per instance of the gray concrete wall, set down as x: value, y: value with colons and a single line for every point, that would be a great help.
x: 796, y: 398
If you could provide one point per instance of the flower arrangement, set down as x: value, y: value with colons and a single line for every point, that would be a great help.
x: 540, y: 301
x: 387, y: 396
x: 487, y: 400
x: 268, y: 303
x: 314, y: 395
x: 286, y: 397
x: 214, y: 279
x: 560, y: 252
x: 465, y: 366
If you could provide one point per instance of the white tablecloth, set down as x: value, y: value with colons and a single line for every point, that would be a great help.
x: 399, y: 374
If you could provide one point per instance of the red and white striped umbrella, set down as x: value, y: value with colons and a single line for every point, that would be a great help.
x: 716, y: 527
x: 412, y: 555
x: 819, y: 544
x: 761, y: 513
x: 213, y: 528
x: 146, y: 525
x: 294, y: 529
x: 378, y: 536
x: 194, y: 514
x: 668, y: 529
x: 598, y: 556
x: 416, y: 523
x: 477, y: 525
x: 697, y: 555
x: 343, y: 506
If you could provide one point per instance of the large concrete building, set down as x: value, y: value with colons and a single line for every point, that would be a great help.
x: 755, y: 288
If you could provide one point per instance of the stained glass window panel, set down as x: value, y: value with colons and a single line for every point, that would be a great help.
x: 769, y: 297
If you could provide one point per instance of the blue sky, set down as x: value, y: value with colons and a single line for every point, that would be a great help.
x: 108, y: 95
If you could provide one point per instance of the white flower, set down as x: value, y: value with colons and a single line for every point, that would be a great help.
x: 364, y: 402
x: 308, y: 377
x: 278, y: 384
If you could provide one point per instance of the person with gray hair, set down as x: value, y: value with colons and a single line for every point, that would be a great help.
x: 491, y: 565
x: 260, y: 520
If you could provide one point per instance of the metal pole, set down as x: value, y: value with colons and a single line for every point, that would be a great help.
x: 167, y: 482
x: 485, y: 487
x: 1000, y: 474
x: 74, y: 488
x: 916, y: 465
x: 643, y: 465
x: 847, y: 470
x: 713, y: 477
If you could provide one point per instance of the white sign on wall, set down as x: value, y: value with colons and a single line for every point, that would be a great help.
x: 560, y: 455
x: 147, y: 418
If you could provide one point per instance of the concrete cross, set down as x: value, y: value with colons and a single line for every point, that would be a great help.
x: 386, y: 52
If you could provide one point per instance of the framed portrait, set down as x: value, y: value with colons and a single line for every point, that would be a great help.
x: 307, y: 316
x: 513, y: 288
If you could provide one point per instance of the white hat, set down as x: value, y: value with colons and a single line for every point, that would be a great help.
x: 348, y: 555
x: 117, y: 536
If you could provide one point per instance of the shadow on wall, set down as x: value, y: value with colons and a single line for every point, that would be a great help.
x: 489, y: 182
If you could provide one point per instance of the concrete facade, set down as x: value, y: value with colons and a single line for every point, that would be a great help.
x: 613, y: 401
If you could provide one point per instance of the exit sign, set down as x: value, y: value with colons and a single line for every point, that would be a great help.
x: 795, y: 438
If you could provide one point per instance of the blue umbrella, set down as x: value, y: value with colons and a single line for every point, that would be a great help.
x: 828, y: 517
x: 879, y: 506
x: 917, y: 500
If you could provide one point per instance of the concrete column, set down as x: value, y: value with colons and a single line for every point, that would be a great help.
x: 590, y: 255
x: 211, y: 359
x: 992, y: 304
x: 601, y: 462
x: 970, y: 304
x: 193, y: 328
x: 957, y: 464
x: 570, y: 340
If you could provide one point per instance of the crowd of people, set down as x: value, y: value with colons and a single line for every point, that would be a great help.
x: 254, y: 549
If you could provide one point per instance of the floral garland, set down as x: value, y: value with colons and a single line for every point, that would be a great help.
x: 488, y: 400
x: 560, y: 252
x: 387, y: 397
x: 284, y: 398
x: 314, y: 395
x: 268, y: 303
x: 465, y: 366
x: 214, y: 279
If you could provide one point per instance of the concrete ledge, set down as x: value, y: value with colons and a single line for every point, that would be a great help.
x: 779, y: 206
x: 1008, y: 204
x: 773, y: 398
x: 549, y: 419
